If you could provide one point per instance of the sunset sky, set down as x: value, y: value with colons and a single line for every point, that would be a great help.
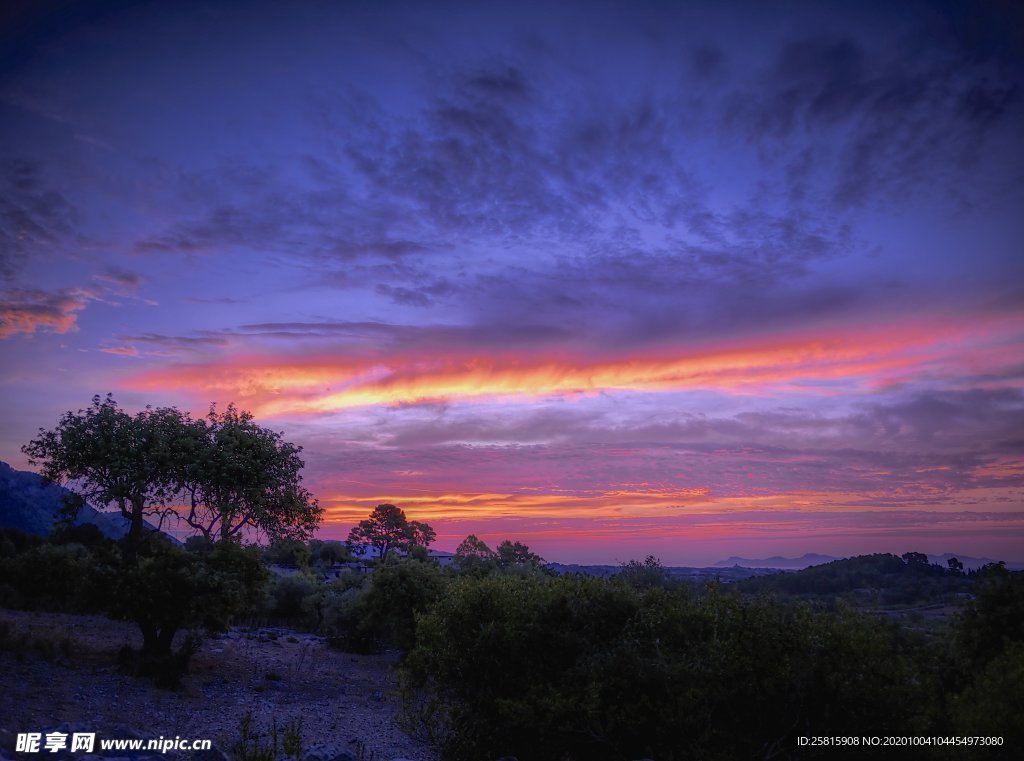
x: 610, y: 278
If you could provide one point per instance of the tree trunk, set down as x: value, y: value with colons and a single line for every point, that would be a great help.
x: 149, y: 637
x: 133, y: 538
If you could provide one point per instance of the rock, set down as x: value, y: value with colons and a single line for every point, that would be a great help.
x: 213, y: 754
x: 328, y: 753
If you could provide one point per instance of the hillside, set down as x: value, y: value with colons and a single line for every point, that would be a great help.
x: 879, y: 579
x: 30, y: 505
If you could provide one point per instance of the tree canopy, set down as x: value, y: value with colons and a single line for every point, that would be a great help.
x: 388, y: 529
x: 243, y: 476
x: 511, y: 553
x: 109, y: 457
x: 233, y: 474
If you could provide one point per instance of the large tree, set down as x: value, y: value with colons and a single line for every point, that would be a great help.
x: 108, y: 457
x: 244, y: 477
x: 388, y: 529
x: 233, y: 474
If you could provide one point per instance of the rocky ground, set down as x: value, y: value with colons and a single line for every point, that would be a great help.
x: 346, y: 703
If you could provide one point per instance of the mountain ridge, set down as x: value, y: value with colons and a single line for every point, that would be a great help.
x: 31, y: 505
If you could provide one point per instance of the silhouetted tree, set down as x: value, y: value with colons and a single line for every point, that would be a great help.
x: 108, y: 457
x: 241, y: 476
x: 388, y: 529
x: 650, y: 573
x: 516, y: 553
x: 473, y: 554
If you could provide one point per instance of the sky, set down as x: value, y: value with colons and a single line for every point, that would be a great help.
x: 611, y: 278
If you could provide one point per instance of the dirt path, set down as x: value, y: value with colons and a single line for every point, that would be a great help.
x: 344, y: 701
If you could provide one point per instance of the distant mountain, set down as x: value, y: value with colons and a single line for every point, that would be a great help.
x: 676, y: 572
x: 776, y: 562
x: 27, y: 504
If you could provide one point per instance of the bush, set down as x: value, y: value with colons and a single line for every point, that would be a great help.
x: 67, y: 577
x: 291, y: 553
x: 342, y: 615
x: 294, y: 600
x: 172, y: 589
x: 381, y: 613
x: 577, y: 668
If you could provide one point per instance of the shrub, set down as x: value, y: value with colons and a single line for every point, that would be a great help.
x: 574, y: 668
x: 57, y: 577
x: 291, y: 600
x: 172, y: 589
x: 381, y: 612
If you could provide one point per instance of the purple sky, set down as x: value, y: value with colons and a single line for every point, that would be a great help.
x: 697, y: 279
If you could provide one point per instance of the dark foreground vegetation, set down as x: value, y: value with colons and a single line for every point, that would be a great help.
x: 501, y: 658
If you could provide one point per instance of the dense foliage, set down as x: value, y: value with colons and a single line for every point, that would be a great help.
x: 170, y: 590
x: 577, y: 668
x: 877, y: 580
x: 166, y: 590
x: 240, y: 476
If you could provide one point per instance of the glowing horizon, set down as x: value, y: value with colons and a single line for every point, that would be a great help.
x: 874, y: 357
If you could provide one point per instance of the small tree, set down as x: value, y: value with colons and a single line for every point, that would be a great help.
x: 326, y: 553
x: 473, y: 547
x: 170, y: 589
x: 388, y: 529
x: 474, y: 556
x: 516, y: 553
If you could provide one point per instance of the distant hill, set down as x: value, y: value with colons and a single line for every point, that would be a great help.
x: 776, y: 562
x: 970, y: 563
x: 29, y: 505
x: 812, y: 559
x: 879, y: 580
x: 685, y: 573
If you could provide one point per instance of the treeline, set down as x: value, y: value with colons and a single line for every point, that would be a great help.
x: 879, y: 580
x: 507, y: 659
x: 573, y: 667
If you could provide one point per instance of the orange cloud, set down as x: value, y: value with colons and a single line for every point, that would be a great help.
x: 28, y: 311
x: 624, y: 505
x: 864, y: 357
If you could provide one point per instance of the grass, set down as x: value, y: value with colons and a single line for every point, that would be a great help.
x: 253, y: 745
x: 25, y: 644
